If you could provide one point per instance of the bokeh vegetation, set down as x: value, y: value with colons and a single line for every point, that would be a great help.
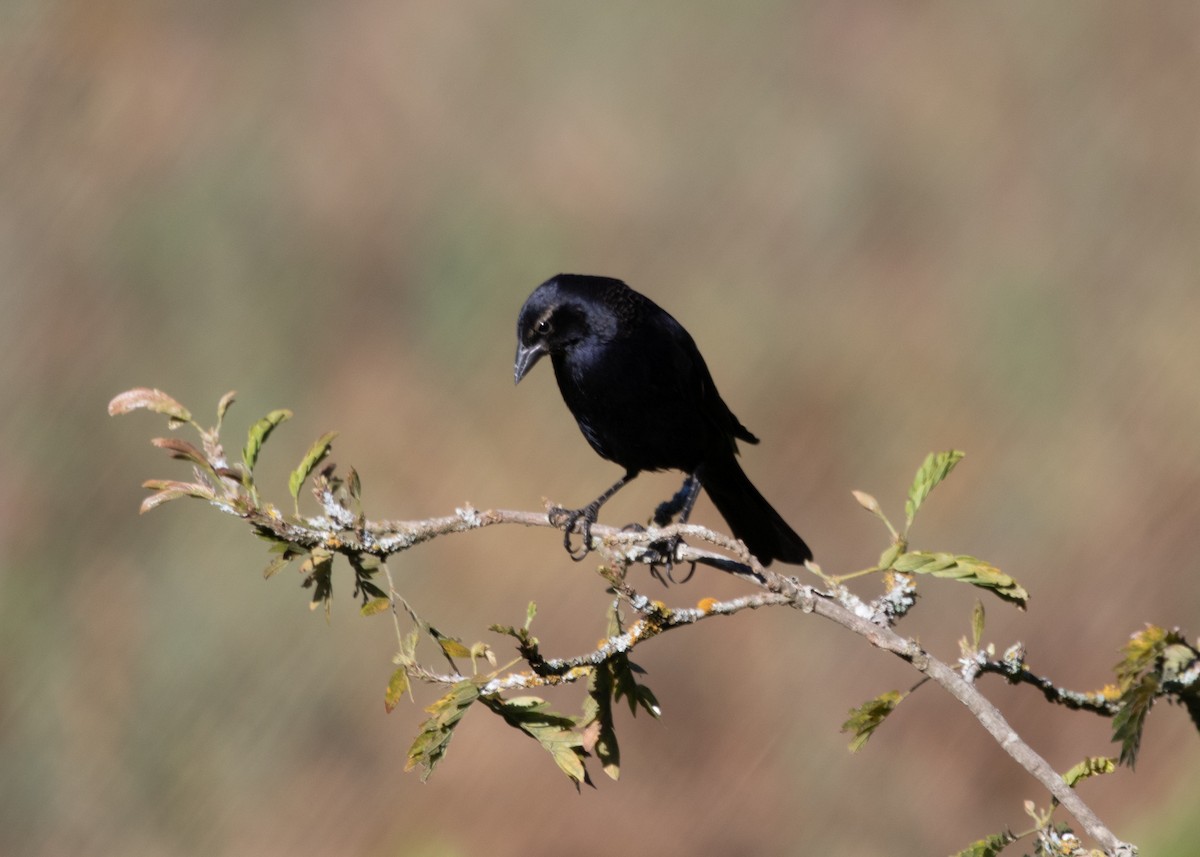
x: 890, y: 229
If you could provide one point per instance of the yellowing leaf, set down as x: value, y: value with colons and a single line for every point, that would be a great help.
x: 375, y: 605
x: 396, y: 688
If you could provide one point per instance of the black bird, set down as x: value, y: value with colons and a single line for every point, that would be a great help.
x: 644, y: 399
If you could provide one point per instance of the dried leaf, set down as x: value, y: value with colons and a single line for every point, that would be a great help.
x: 223, y: 406
x: 168, y: 490
x: 182, y: 450
x: 153, y: 400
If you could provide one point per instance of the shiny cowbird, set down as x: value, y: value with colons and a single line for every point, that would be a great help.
x: 643, y: 397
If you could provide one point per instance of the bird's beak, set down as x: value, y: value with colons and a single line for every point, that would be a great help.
x: 527, y: 355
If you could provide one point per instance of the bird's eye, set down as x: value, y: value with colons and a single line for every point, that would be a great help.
x: 543, y: 326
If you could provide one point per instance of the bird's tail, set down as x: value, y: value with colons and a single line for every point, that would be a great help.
x: 749, y: 515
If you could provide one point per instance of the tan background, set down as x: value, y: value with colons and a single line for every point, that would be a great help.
x: 891, y: 229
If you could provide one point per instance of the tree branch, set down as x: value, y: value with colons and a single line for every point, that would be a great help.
x: 1154, y: 660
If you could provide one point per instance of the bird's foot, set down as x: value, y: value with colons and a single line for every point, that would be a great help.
x: 568, y: 519
x: 662, y: 556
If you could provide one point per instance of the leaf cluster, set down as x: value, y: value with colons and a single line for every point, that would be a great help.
x: 570, y: 740
x: 1155, y: 663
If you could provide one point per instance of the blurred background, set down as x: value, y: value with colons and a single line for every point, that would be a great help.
x: 890, y: 228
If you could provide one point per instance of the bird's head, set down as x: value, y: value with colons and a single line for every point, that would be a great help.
x: 555, y: 318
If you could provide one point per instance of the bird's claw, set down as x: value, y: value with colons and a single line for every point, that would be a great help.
x: 665, y: 553
x: 568, y: 519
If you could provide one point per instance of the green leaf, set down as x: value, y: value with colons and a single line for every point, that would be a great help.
x: 366, y: 566
x: 1130, y: 719
x: 1190, y: 699
x: 152, y: 400
x: 555, y: 732
x: 396, y: 688
x: 258, y: 434
x: 990, y: 846
x: 865, y: 719
x: 977, y: 617
x: 888, y: 558
x: 287, y: 554
x: 1143, y: 651
x: 530, y: 612
x: 599, y: 731
x: 1092, y: 766
x: 318, y: 571
x: 431, y: 742
x: 614, y: 626
x: 967, y: 569
x: 626, y: 685
x: 315, y: 455
x: 937, y: 466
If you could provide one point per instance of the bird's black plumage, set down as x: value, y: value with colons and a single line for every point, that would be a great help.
x: 644, y: 399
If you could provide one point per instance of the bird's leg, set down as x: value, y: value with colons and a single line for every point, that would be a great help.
x: 568, y: 518
x: 681, y: 504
